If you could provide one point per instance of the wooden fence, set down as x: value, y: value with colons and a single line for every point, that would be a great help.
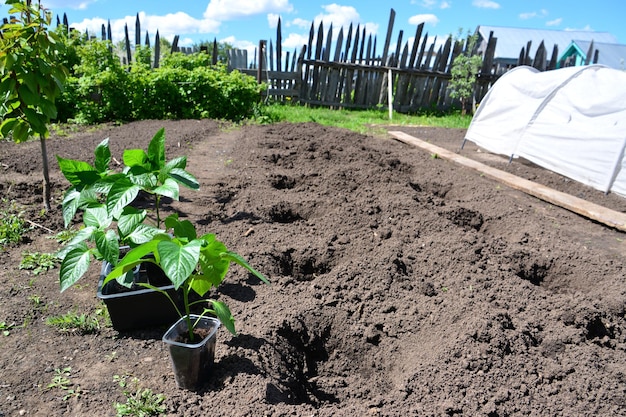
x: 346, y: 73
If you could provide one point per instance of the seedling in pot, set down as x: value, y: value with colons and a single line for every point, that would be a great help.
x: 105, y: 197
x: 194, y: 264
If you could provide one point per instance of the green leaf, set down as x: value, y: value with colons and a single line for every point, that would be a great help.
x: 103, y: 156
x: 182, y: 229
x: 142, y: 177
x: 28, y: 96
x: 129, y: 220
x: 21, y: 131
x: 71, y: 201
x: 214, y: 268
x: 48, y: 108
x: 97, y: 217
x: 178, y: 162
x: 77, y: 172
x: 185, y: 178
x: 7, y: 126
x: 178, y: 261
x: 143, y: 233
x: 74, y: 266
x: 122, y: 193
x: 134, y: 157
x: 77, y: 241
x: 236, y: 258
x: 134, y: 257
x: 108, y: 246
x: 224, y: 315
x: 168, y: 189
x: 156, y: 150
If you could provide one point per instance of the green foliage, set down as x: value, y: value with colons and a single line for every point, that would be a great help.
x: 186, y: 62
x: 139, y: 402
x: 6, y: 328
x: 75, y: 323
x: 65, y: 236
x: 31, y: 76
x: 185, y: 86
x: 38, y: 262
x: 222, y: 50
x: 464, y: 72
x: 12, y: 224
x: 193, y: 264
x: 61, y: 381
x: 105, y: 197
x: 98, y: 90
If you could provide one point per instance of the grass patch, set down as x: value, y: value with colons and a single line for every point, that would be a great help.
x: 12, y: 224
x: 73, y: 322
x: 362, y: 121
x: 139, y: 402
x: 37, y: 262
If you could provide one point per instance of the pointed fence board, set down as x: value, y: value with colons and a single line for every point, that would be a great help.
x: 577, y: 205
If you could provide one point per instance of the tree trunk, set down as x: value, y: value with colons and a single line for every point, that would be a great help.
x: 46, y: 176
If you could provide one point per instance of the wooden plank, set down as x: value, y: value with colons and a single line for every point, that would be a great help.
x: 577, y: 205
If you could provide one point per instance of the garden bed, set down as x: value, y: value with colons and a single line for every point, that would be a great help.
x: 401, y: 283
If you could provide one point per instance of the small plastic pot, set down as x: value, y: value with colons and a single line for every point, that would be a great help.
x: 192, y: 362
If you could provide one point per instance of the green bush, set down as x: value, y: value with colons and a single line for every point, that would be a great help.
x: 184, y: 87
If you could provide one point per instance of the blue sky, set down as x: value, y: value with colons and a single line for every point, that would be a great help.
x: 244, y: 22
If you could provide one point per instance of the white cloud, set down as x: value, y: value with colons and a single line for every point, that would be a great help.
x: 426, y: 18
x: 486, y: 4
x: 272, y: 20
x: 338, y: 15
x: 168, y: 26
x: 585, y: 29
x: 555, y: 22
x: 430, y: 4
x: 529, y: 15
x: 295, y: 40
x: 301, y: 23
x: 233, y: 9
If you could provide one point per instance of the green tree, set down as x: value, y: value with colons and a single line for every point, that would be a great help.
x: 31, y: 77
x: 464, y: 72
x: 222, y: 49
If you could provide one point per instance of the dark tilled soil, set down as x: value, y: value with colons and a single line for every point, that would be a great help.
x: 402, y: 284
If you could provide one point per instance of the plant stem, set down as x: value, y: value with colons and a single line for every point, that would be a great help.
x: 187, y: 312
x: 46, y: 176
x: 157, y: 204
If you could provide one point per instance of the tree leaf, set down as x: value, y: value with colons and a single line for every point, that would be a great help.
x: 178, y: 261
x: 74, y: 266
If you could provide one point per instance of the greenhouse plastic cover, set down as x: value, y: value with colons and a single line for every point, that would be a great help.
x: 571, y: 121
